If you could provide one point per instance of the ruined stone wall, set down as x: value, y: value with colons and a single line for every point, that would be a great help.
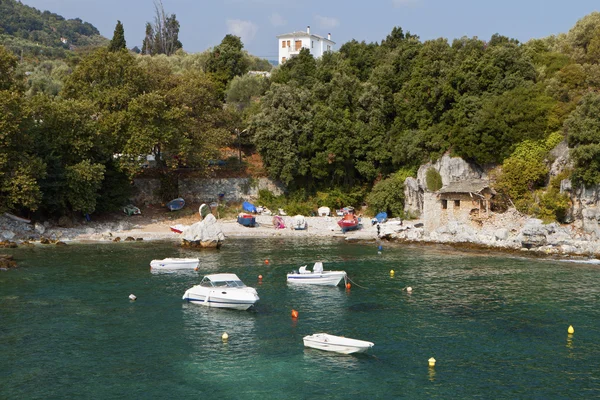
x: 207, y: 190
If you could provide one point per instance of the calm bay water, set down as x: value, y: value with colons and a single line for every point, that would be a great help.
x: 497, y: 325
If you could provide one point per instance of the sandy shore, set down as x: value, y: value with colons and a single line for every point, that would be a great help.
x: 157, y: 229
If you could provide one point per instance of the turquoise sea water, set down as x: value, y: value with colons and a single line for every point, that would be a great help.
x: 497, y: 325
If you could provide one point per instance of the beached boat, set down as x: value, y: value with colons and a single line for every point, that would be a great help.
x: 222, y: 291
x: 176, y: 204
x: 246, y: 220
x: 299, y: 223
x: 380, y: 218
x: 316, y: 277
x: 177, y: 228
x: 349, y: 221
x: 338, y: 344
x: 174, y: 263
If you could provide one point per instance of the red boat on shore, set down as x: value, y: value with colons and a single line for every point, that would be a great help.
x: 349, y: 221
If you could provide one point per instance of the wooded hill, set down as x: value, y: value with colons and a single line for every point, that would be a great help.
x: 340, y: 130
x: 26, y: 30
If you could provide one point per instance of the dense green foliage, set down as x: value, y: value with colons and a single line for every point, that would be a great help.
x: 26, y: 30
x: 333, y: 129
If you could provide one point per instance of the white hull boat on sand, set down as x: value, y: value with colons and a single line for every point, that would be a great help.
x: 337, y: 344
x: 222, y: 291
x: 174, y: 263
x: 316, y: 277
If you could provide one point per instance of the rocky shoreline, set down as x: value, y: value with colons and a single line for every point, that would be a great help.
x: 508, y: 232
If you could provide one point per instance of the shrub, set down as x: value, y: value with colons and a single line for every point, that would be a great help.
x: 433, y: 179
x: 388, y: 194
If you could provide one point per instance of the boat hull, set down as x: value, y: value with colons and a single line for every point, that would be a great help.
x: 236, y: 299
x: 326, y: 278
x: 175, y: 263
x: 336, y: 344
x: 248, y: 221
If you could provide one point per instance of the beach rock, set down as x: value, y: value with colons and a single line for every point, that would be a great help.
x: 129, y: 239
x: 7, y: 235
x: 501, y: 234
x: 39, y: 228
x: 206, y: 233
x: 7, y: 261
x: 44, y: 240
x: 59, y: 243
x: 117, y: 239
x: 7, y: 244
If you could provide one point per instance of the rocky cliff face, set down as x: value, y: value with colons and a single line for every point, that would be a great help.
x: 451, y: 169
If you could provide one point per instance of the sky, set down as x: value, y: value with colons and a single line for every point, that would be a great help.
x: 204, y: 23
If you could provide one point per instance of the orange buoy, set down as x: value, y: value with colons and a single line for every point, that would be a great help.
x: 294, y: 314
x: 267, y: 262
x: 348, y: 286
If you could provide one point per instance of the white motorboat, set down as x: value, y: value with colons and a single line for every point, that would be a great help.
x: 317, y: 276
x: 174, y: 263
x: 222, y: 291
x: 338, y: 344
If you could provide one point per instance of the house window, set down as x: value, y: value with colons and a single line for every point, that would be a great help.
x: 456, y: 203
x: 444, y: 204
x: 288, y: 43
x: 328, y: 48
x: 298, y: 44
x: 312, y: 44
x: 283, y: 59
x: 283, y: 44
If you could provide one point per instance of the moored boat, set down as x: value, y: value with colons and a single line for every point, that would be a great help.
x: 338, y: 344
x: 174, y: 263
x: 222, y: 291
x: 316, y: 277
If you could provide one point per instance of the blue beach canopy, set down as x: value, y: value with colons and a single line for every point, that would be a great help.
x: 249, y: 207
x: 381, y: 217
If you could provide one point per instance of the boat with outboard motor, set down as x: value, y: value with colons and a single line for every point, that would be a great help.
x: 316, y: 277
x: 222, y: 291
x: 174, y: 263
x: 337, y: 344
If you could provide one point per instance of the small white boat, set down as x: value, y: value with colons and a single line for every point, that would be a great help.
x: 222, y: 291
x: 317, y: 276
x: 337, y: 344
x: 175, y: 263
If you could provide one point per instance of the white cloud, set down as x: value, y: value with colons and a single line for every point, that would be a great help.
x: 403, y: 3
x: 244, y: 29
x: 277, y: 20
x: 327, y: 22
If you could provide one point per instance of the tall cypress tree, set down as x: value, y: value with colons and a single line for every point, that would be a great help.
x: 118, y: 41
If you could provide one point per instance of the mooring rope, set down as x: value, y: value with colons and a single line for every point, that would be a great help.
x: 348, y: 279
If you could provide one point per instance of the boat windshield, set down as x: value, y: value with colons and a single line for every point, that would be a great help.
x: 232, y: 284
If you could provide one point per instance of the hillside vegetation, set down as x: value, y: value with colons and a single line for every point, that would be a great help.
x: 340, y: 130
x: 28, y: 31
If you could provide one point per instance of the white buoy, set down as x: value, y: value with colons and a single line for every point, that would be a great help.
x: 225, y: 336
x: 409, y: 289
x: 132, y: 297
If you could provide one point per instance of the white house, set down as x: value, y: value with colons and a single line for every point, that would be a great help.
x: 291, y: 43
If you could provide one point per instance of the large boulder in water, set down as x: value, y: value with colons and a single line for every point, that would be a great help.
x: 206, y: 233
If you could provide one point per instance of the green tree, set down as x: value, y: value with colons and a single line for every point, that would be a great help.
x: 162, y: 37
x: 583, y: 136
x: 388, y: 194
x: 227, y: 60
x: 20, y: 169
x: 118, y: 41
